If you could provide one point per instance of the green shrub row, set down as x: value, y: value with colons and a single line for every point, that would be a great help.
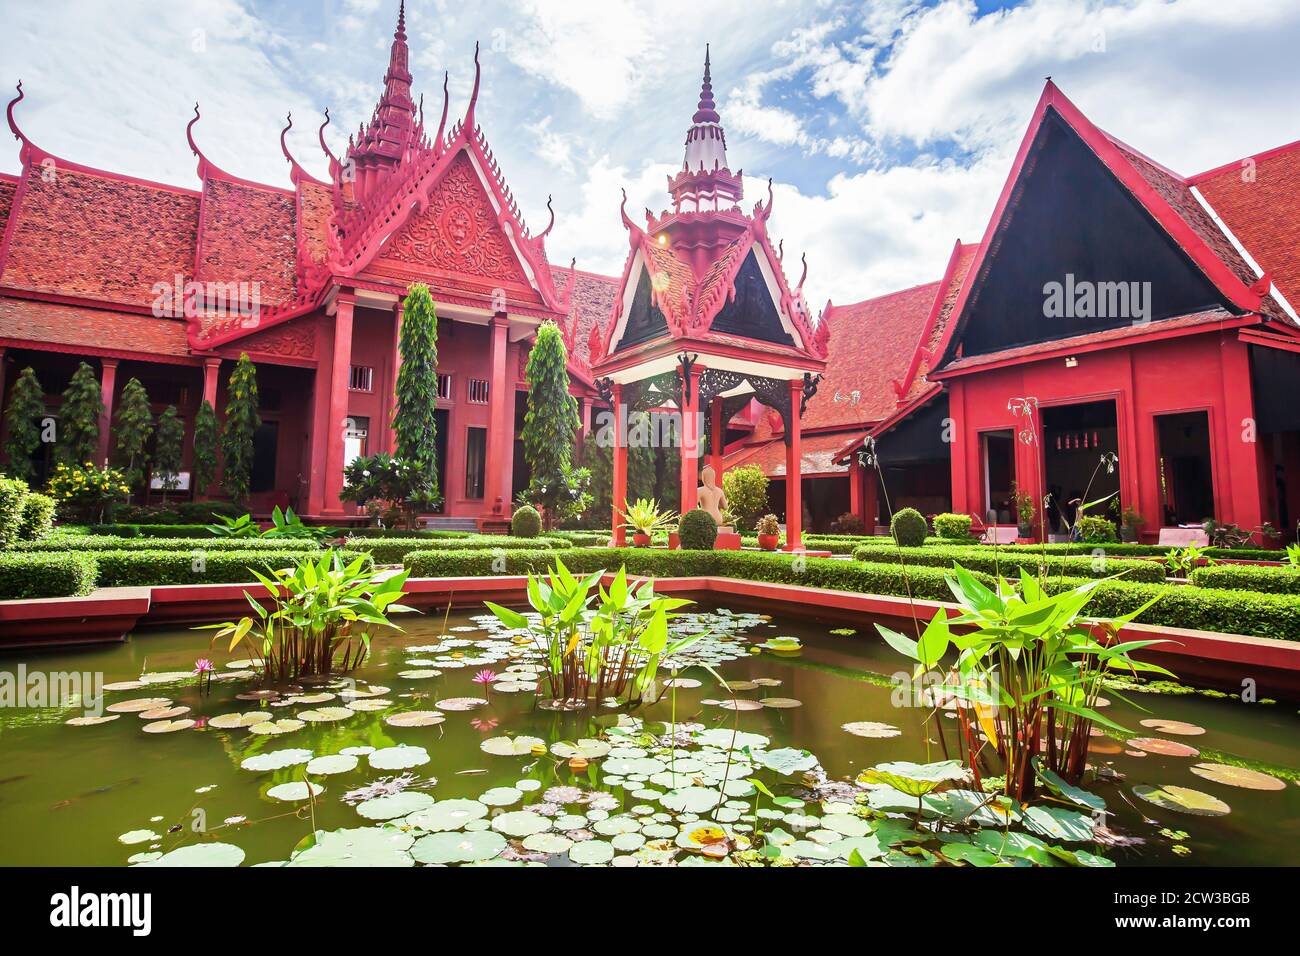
x: 28, y: 576
x: 150, y: 568
x: 986, y: 559
x: 1208, y: 609
x: 57, y: 542
x: 395, y: 550
x: 24, y: 514
x: 149, y: 530
x: 1246, y: 577
x: 403, y: 533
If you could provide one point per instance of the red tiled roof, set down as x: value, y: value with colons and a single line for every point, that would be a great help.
x: 816, y: 456
x: 590, y: 305
x: 316, y: 205
x: 248, y: 236
x: 928, y: 349
x: 35, y: 321
x: 1259, y: 201
x: 871, y: 345
x: 100, y: 237
x: 1209, y: 317
x: 8, y: 186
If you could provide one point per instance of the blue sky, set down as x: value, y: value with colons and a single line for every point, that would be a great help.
x: 888, y: 126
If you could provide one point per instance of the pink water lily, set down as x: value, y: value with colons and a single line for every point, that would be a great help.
x: 203, y: 664
x: 485, y: 677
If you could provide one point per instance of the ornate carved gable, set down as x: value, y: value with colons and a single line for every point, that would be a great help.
x: 457, y: 232
x: 292, y: 340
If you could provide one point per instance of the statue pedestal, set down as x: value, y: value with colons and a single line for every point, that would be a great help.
x: 727, y: 541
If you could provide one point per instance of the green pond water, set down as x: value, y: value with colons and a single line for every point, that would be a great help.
x: 71, y: 795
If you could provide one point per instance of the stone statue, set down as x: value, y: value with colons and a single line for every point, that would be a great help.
x: 711, y: 498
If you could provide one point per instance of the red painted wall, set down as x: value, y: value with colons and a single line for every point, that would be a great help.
x: 1194, y: 373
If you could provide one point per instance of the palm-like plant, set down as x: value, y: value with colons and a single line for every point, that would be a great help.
x: 319, y: 618
x: 1027, y: 675
x: 644, y: 516
x: 1181, y: 562
x: 597, y: 645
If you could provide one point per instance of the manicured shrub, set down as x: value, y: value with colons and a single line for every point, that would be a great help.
x: 697, y: 531
x: 584, y: 539
x: 848, y: 523
x: 241, y: 424
x: 194, y: 565
x: 953, y: 527
x: 12, y: 493
x: 1245, y: 577
x: 908, y: 528
x: 24, y: 421
x: 203, y: 512
x: 395, y: 550
x: 59, y: 542
x: 1094, y: 530
x: 526, y: 523
x: 27, y: 576
x: 1008, y: 562
x: 36, y: 517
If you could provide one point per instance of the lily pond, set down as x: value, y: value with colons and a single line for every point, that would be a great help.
x: 438, y: 750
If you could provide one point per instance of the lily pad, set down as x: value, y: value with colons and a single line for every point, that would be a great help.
x: 362, y: 846
x: 521, y: 823
x: 414, y: 718
x: 1183, y: 800
x: 453, y: 847
x: 401, y: 757
x: 285, y: 725
x: 780, y: 703
x: 786, y: 760
x: 91, y: 721
x: 511, y: 746
x: 587, y: 748
x: 395, y: 805
x: 276, y: 760
x: 132, y: 837
x: 332, y: 763
x: 691, y: 799
x: 167, y: 726
x: 591, y: 852
x: 447, y: 815
x: 871, y: 728
x: 138, y: 704
x: 1167, y: 748
x: 914, y: 779
x: 1238, y: 776
x: 325, y: 715
x: 1177, y: 727
x: 460, y: 703
x: 201, y: 854
x: 295, y: 792
x: 231, y: 721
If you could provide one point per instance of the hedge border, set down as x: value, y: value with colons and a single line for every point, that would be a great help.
x: 34, y: 576
x: 982, y: 558
x: 395, y: 550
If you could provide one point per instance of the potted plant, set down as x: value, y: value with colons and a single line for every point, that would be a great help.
x: 646, y: 520
x: 1024, y: 512
x: 769, y: 533
x: 1131, y: 523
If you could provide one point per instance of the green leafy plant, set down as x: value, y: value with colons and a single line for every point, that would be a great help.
x: 848, y: 523
x: 205, y: 451
x: 746, y: 490
x: 1293, y: 555
x: 550, y: 423
x: 646, y: 517
x: 908, y: 528
x: 697, y: 531
x: 35, y: 517
x: 392, y: 489
x: 768, y: 525
x: 23, y: 425
x: 132, y: 426
x: 1025, y: 509
x: 1029, y: 669
x: 1181, y: 562
x: 525, y: 523
x: 241, y: 527
x: 954, y: 527
x: 79, y: 414
x: 319, y: 616
x: 414, y: 422
x: 12, y: 493
x: 1095, y: 530
x: 601, y: 644
x: 169, y: 450
x: 241, y: 423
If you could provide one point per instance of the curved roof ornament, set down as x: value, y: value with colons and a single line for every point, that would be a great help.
x: 628, y: 224
x: 189, y: 132
x: 550, y: 225
x: 473, y: 97
x: 446, y: 101
x: 9, y: 112
x: 799, y: 288
x: 765, y: 212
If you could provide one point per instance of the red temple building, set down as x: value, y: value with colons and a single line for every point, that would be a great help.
x: 1112, y: 307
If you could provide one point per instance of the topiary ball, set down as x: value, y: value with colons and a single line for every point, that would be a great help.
x: 697, y: 531
x: 908, y: 528
x: 526, y: 523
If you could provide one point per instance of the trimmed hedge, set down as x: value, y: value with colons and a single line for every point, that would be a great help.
x: 908, y: 528
x: 36, y: 517
x: 395, y: 550
x: 1208, y: 609
x: 983, y: 558
x: 952, y: 527
x: 150, y: 530
x: 57, y: 542
x: 526, y: 523
x: 697, y: 531
x: 403, y: 533
x: 27, y: 576
x: 584, y: 539
x: 12, y: 493
x: 148, y: 568
x: 1246, y: 577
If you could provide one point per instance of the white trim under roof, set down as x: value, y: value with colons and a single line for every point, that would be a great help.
x: 666, y: 363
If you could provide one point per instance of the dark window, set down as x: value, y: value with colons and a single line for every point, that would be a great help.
x: 475, y: 461
x: 999, y: 474
x: 266, y: 443
x: 1186, y: 479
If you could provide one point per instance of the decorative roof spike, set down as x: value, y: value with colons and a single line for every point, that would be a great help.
x: 189, y: 132
x: 13, y: 124
x: 320, y: 135
x: 765, y: 212
x: 442, y: 123
x: 473, y: 97
x: 804, y: 259
x: 707, y: 111
x: 550, y: 225
x: 284, y: 146
x: 400, y: 34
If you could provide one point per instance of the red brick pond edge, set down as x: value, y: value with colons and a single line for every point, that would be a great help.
x: 1200, y: 658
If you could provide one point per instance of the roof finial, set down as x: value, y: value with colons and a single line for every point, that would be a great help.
x: 320, y: 134
x: 550, y: 225
x: 473, y: 97
x: 189, y: 132
x: 446, y: 100
x: 400, y: 32
x: 707, y: 112
x: 13, y: 125
x: 284, y: 147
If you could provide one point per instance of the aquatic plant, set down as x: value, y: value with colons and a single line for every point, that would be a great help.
x: 1028, y: 673
x: 203, y: 670
x: 597, y: 645
x: 319, y: 618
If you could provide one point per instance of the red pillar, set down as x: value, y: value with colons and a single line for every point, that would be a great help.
x: 338, y: 404
x: 870, y: 498
x: 716, y: 436
x: 959, y: 450
x: 689, y: 405
x: 501, y: 414
x: 857, y: 489
x: 794, y: 474
x: 1240, y: 491
x: 1029, y: 464
x: 107, y: 381
x: 396, y: 365
x: 620, y: 467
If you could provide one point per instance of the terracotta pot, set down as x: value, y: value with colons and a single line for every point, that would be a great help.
x: 769, y: 542
x: 640, y: 540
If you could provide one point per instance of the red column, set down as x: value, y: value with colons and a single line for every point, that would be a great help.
x: 620, y: 468
x: 1239, y: 493
x: 716, y: 436
x: 689, y: 404
x: 870, y: 499
x: 857, y: 489
x: 396, y: 366
x: 794, y: 474
x: 338, y: 404
x: 959, y: 450
x: 1029, y: 464
x: 501, y: 415
x: 107, y: 380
